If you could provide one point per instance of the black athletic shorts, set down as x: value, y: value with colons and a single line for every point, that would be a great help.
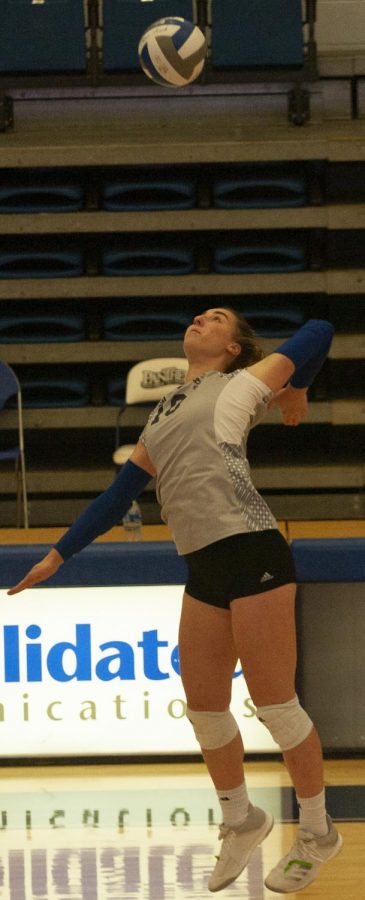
x: 239, y: 566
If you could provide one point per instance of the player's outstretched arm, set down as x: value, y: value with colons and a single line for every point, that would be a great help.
x: 105, y: 511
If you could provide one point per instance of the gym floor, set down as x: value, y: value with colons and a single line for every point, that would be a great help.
x: 149, y: 832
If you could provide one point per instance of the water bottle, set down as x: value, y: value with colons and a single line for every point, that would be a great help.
x: 132, y: 523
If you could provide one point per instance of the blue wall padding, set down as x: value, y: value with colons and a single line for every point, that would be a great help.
x: 152, y: 562
x: 156, y: 260
x: 124, y: 22
x: 41, y: 327
x: 261, y: 255
x: 122, y: 563
x: 41, y: 37
x: 41, y: 264
x: 149, y: 193
x: 257, y: 33
x: 332, y: 559
x: 145, y: 326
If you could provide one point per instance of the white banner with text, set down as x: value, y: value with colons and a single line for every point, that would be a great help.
x: 95, y: 671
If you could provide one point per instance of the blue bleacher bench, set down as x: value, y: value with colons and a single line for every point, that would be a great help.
x: 124, y: 22
x: 42, y: 37
x: 257, y: 33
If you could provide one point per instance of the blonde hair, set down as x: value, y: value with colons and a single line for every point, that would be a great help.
x: 251, y: 351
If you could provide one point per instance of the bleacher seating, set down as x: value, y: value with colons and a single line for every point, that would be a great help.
x: 51, y: 331
x: 150, y: 189
x: 29, y: 263
x: 42, y: 37
x: 260, y: 186
x: 262, y: 252
x: 37, y: 191
x: 42, y: 326
x: 120, y: 44
x: 150, y: 258
x: 237, y: 41
x: 148, y: 326
x: 45, y: 391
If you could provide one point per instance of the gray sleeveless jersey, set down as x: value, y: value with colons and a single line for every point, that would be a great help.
x: 196, y: 439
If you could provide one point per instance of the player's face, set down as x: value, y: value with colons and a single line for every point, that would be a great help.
x: 212, y: 331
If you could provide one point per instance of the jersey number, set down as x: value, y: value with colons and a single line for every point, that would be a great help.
x: 175, y: 402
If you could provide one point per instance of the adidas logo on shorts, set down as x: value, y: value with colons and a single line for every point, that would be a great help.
x: 266, y: 577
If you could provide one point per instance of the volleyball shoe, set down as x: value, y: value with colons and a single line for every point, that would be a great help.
x: 237, y: 846
x: 302, y: 864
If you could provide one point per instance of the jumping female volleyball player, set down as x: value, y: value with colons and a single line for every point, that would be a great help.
x: 239, y: 598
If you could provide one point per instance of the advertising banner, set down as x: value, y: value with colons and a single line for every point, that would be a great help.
x: 95, y: 671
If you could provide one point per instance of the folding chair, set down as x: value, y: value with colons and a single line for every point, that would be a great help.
x: 9, y: 386
x: 147, y: 382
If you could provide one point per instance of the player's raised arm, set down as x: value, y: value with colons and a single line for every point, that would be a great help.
x: 298, y: 359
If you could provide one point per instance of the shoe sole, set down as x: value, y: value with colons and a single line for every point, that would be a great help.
x: 267, y: 827
x: 294, y: 890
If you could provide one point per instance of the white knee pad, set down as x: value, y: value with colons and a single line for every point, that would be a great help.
x: 213, y: 729
x: 288, y: 723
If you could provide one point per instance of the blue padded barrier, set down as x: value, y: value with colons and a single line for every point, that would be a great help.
x: 45, y: 392
x: 41, y: 264
x: 257, y: 33
x: 260, y: 187
x: 157, y: 562
x: 156, y: 260
x: 37, y: 197
x: 149, y: 193
x: 150, y: 562
x: 124, y: 22
x: 332, y: 559
x: 261, y: 253
x: 145, y: 326
x: 42, y: 37
x: 44, y: 327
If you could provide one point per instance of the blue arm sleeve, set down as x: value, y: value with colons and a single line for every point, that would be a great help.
x: 307, y: 349
x: 105, y: 511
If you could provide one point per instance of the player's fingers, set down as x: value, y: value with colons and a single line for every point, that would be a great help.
x: 33, y: 577
x: 21, y: 586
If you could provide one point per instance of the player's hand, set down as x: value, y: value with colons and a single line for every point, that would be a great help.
x: 293, y: 405
x: 40, y: 572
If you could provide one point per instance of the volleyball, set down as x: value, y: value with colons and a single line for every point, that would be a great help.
x: 172, y: 51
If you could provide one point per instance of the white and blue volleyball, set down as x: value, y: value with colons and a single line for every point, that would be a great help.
x: 172, y: 51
